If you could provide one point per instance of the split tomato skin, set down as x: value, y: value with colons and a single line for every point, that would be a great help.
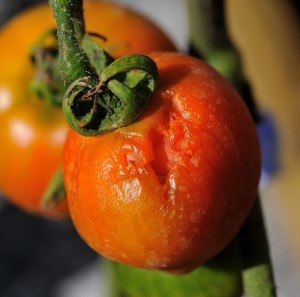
x: 172, y: 189
x: 32, y: 132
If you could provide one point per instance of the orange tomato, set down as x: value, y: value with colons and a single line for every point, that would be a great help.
x: 32, y: 138
x: 32, y: 132
x: 172, y: 189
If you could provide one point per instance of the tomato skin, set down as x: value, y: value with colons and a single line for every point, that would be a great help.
x: 172, y: 189
x: 27, y: 161
x: 31, y: 146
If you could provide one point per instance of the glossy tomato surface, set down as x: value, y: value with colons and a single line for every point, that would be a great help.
x: 31, y: 146
x: 172, y: 189
x: 32, y: 132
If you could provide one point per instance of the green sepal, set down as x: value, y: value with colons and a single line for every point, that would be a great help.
x: 119, y: 97
x: 55, y: 191
x: 98, y: 57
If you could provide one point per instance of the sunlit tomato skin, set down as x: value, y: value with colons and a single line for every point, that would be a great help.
x: 31, y: 147
x: 172, y: 189
x: 32, y: 133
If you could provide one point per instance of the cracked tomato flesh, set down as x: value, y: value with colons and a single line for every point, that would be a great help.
x: 172, y: 189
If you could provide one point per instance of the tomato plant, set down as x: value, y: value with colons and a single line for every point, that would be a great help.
x: 33, y: 132
x: 172, y: 189
x: 22, y: 32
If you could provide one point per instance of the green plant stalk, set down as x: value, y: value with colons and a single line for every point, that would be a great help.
x: 208, y: 37
x: 257, y: 270
x: 74, y: 62
x: 211, y: 41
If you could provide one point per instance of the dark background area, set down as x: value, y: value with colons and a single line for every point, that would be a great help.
x: 37, y: 254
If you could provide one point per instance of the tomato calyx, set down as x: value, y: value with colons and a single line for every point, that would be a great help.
x: 103, y: 94
x: 117, y: 99
x: 47, y: 83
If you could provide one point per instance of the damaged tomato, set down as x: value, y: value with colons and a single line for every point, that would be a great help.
x: 172, y: 189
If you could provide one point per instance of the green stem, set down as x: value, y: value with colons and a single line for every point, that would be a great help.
x: 96, y: 102
x: 211, y: 41
x: 257, y: 270
x: 74, y: 62
x: 208, y: 36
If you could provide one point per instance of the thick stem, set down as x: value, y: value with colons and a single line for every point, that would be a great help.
x: 207, y: 28
x: 257, y: 271
x: 211, y: 41
x: 208, y: 36
x: 74, y: 62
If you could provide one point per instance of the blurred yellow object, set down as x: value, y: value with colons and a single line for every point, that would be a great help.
x: 268, y: 36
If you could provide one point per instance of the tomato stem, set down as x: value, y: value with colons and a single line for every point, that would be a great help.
x: 211, y: 41
x: 73, y: 60
x: 103, y: 94
x: 257, y: 270
x: 208, y: 35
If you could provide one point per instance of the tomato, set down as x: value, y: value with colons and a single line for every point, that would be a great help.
x: 31, y: 146
x: 32, y: 132
x: 172, y: 189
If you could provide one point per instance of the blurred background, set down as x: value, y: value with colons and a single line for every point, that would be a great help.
x: 41, y: 257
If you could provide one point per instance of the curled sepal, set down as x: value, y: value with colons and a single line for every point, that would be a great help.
x: 118, y: 97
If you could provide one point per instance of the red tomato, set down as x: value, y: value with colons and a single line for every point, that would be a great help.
x: 172, y: 189
x: 32, y: 133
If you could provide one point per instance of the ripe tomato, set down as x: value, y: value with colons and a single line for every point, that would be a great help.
x: 31, y: 147
x: 32, y: 133
x: 172, y: 189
